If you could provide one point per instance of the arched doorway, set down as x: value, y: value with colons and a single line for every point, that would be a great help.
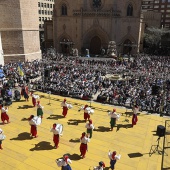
x: 127, y: 47
x: 95, y: 45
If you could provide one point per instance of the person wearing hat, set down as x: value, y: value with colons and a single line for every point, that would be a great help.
x: 4, y: 115
x: 2, y: 137
x: 56, y: 136
x: 83, y: 146
x: 134, y: 117
x: 64, y: 163
x: 65, y: 108
x: 113, y: 158
x: 86, y: 114
x: 33, y: 130
x: 113, y: 117
x: 100, y: 167
x: 39, y: 109
x: 90, y: 128
x: 34, y: 102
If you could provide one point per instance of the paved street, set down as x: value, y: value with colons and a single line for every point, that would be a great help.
x: 23, y: 153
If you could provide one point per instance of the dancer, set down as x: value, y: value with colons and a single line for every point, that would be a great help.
x: 2, y: 137
x: 64, y: 163
x: 113, y: 117
x: 34, y: 102
x: 40, y: 110
x: 134, y: 117
x: 100, y: 167
x: 4, y: 115
x: 113, y: 158
x: 86, y: 112
x: 34, y: 121
x: 25, y: 92
x: 56, y: 134
x: 65, y: 109
x: 83, y: 146
x: 90, y: 128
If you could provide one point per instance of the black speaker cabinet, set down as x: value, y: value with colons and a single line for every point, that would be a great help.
x: 47, y: 74
x: 160, y: 131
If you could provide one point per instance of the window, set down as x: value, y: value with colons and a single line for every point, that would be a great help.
x: 167, y: 15
x: 129, y: 10
x: 39, y: 11
x: 42, y: 11
x: 156, y: 2
x: 47, y: 5
x: 45, y: 18
x: 38, y: 4
x: 51, y: 5
x: 41, y: 4
x: 51, y: 12
x: 39, y: 18
x: 156, y: 6
x: 42, y: 18
x: 162, y: 6
x: 48, y: 12
x: 163, y: 1
x: 39, y: 25
x: 45, y: 12
x: 64, y: 10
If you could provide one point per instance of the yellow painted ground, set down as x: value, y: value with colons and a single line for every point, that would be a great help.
x: 23, y: 153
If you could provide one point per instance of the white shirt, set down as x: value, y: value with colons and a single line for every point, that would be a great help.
x: 89, y: 126
x: 84, y: 140
x: 117, y: 157
x: 114, y: 115
x: 63, y: 163
x: 3, y: 110
x: 64, y: 104
x: 55, y: 131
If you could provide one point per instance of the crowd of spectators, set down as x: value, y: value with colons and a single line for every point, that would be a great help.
x: 145, y: 80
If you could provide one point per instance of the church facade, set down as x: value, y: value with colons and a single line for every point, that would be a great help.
x: 91, y: 24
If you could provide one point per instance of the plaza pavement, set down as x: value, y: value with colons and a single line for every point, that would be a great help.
x: 23, y: 153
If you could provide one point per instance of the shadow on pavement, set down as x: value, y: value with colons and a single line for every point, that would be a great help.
x: 102, y: 129
x: 55, y: 117
x: 75, y: 140
x: 42, y: 146
x: 23, y: 136
x: 25, y: 107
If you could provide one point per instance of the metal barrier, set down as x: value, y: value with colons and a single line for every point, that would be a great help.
x: 165, y: 165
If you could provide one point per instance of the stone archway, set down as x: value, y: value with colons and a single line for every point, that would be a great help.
x: 95, y: 45
x: 127, y: 47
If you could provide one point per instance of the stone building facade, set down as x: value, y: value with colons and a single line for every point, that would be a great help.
x: 91, y: 24
x: 19, y: 30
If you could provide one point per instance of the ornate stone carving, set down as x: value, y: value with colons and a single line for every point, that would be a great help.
x: 111, y: 51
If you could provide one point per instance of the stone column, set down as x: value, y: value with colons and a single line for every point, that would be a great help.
x: 1, y: 52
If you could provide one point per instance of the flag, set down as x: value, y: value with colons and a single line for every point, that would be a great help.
x: 20, y: 70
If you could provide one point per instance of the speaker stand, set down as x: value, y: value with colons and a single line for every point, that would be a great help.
x: 156, y: 148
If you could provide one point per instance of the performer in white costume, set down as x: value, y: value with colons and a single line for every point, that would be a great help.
x: 83, y: 146
x: 113, y: 158
x: 2, y: 137
x: 64, y: 163
x: 100, y: 167
x: 65, y: 106
x: 90, y: 128
x: 57, y: 131
x: 113, y: 118
x: 34, y: 121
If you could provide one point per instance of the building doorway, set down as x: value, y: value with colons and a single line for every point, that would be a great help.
x: 95, y: 45
x: 127, y: 47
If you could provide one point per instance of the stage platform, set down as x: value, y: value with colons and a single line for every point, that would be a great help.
x: 24, y: 153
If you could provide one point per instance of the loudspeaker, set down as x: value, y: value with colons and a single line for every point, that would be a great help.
x: 160, y: 131
x: 155, y: 90
x: 47, y: 73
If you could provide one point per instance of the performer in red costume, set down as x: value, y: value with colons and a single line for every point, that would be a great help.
x: 65, y: 108
x: 33, y: 126
x: 34, y: 101
x: 83, y: 146
x: 4, y: 115
x: 134, y: 117
x: 55, y: 135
